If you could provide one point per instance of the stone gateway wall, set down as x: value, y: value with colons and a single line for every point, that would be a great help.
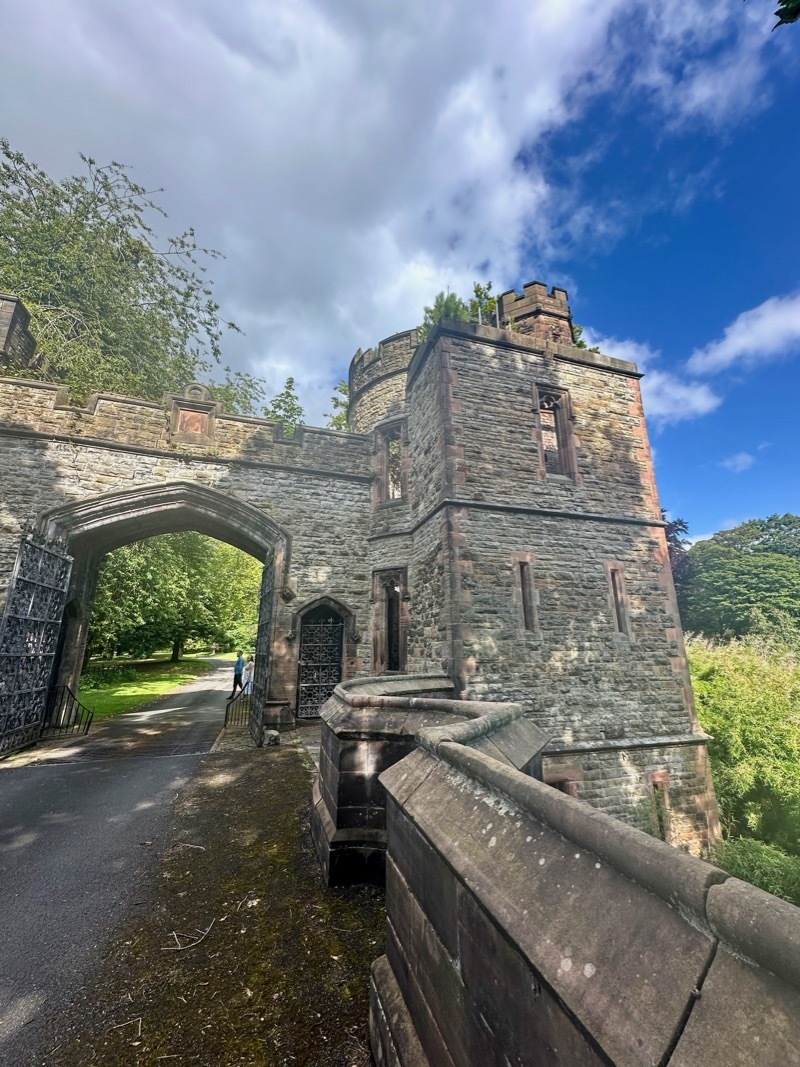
x: 495, y: 518
x: 525, y: 928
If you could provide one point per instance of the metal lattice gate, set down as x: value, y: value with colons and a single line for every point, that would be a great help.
x: 29, y: 633
x: 321, y: 646
x: 263, y: 647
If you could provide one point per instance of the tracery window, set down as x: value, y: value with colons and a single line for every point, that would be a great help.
x: 391, y: 469
x: 554, y: 431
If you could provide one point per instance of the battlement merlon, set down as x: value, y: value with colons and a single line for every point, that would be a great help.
x: 537, y: 312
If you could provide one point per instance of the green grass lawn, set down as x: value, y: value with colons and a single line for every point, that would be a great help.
x: 153, y: 679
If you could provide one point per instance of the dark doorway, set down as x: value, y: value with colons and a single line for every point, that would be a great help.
x: 321, y: 648
x: 393, y: 658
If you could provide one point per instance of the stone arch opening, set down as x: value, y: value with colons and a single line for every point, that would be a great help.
x: 93, y: 527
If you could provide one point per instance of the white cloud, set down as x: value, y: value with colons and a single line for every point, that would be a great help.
x: 765, y: 332
x: 667, y: 398
x: 352, y: 158
x: 738, y: 462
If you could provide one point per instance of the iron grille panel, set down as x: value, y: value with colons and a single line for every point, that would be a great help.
x: 29, y: 633
x: 321, y: 645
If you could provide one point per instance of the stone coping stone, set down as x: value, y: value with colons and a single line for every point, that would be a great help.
x: 759, y: 926
x: 681, y: 880
x: 744, y: 1016
x: 397, y: 685
x: 622, y: 961
x: 382, y: 723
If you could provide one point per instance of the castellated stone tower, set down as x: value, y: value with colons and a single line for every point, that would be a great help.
x: 491, y: 523
x: 516, y: 542
x: 378, y: 380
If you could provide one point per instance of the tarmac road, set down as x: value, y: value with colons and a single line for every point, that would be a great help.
x: 78, y: 827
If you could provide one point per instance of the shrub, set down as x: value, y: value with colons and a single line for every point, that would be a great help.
x: 763, y: 865
x: 748, y: 699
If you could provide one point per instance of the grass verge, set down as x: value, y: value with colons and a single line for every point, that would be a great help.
x: 149, y: 682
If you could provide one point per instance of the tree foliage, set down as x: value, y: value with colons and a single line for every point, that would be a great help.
x: 788, y: 12
x: 340, y: 401
x: 479, y: 308
x: 748, y: 699
x: 778, y: 533
x: 745, y: 580
x: 677, y: 546
x: 166, y: 591
x: 482, y: 304
x: 112, y: 307
x: 577, y: 338
x: 285, y: 407
x: 445, y: 306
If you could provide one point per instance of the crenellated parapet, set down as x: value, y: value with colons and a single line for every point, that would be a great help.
x: 188, y: 423
x: 537, y: 312
x: 378, y: 380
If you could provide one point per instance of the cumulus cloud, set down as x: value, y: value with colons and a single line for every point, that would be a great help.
x: 353, y: 158
x: 667, y: 398
x: 738, y: 462
x: 765, y: 332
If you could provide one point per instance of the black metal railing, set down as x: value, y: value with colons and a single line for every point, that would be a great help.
x: 65, y: 714
x: 237, y: 711
x: 242, y: 711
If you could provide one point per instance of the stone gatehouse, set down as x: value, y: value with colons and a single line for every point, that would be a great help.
x: 493, y: 514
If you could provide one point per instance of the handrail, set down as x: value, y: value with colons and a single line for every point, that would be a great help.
x: 237, y: 711
x: 65, y: 714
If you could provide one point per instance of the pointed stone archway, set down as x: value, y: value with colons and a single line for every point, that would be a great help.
x: 97, y: 525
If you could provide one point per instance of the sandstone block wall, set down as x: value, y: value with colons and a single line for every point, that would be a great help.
x: 525, y: 928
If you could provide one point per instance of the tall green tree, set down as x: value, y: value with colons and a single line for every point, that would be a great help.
x: 730, y: 593
x: 745, y: 580
x: 166, y: 591
x: 777, y: 533
x: 112, y: 306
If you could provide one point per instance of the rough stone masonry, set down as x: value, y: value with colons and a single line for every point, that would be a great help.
x: 493, y: 514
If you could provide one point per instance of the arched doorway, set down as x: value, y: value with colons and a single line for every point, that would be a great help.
x: 41, y: 643
x: 321, y: 658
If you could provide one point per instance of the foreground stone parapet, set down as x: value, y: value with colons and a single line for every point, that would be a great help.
x: 367, y: 726
x: 527, y: 928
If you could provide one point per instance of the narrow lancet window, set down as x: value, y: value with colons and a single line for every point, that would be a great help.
x: 617, y: 599
x: 394, y: 469
x: 528, y: 596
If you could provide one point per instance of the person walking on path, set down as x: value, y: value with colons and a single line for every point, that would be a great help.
x: 247, y: 675
x: 238, y: 668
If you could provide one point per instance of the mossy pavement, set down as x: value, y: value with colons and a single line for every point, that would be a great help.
x: 235, y: 954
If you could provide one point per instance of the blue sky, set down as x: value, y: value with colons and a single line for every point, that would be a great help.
x: 352, y: 159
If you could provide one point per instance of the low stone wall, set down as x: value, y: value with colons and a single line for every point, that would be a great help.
x: 370, y: 724
x: 527, y: 928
